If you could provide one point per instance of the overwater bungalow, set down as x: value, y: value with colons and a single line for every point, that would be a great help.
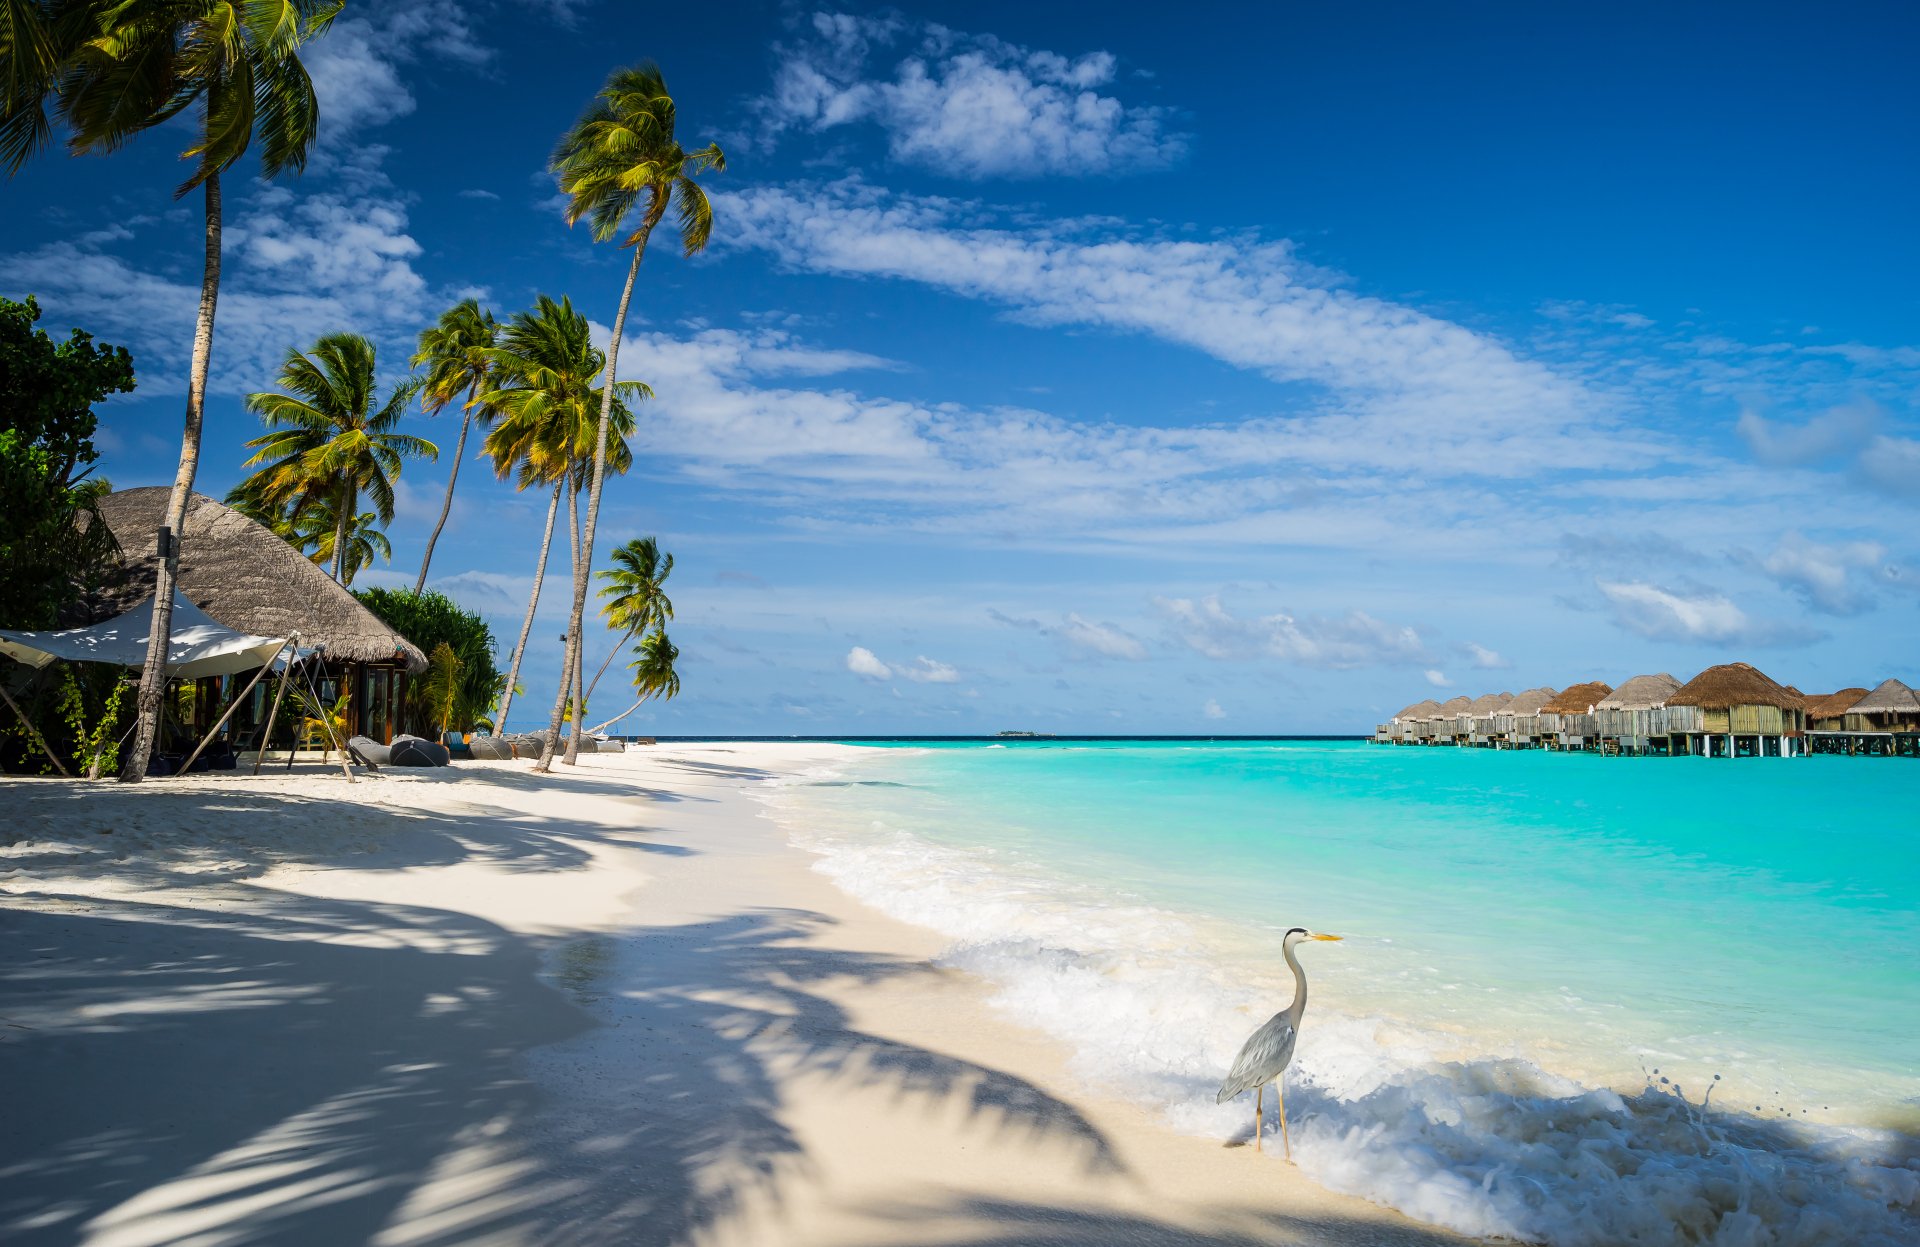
x: 1516, y: 725
x: 1631, y: 719
x: 1734, y: 711
x: 1885, y: 721
x: 1566, y: 720
x: 1828, y: 713
x: 1403, y: 727
x: 1480, y: 717
x: 1448, y: 726
x: 245, y: 577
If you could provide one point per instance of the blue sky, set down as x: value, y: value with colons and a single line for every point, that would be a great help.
x: 1266, y: 373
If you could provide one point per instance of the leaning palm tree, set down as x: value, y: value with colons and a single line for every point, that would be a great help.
x: 653, y: 674
x: 454, y: 352
x: 112, y: 70
x: 635, y: 593
x: 546, y: 395
x: 327, y: 445
x: 621, y: 156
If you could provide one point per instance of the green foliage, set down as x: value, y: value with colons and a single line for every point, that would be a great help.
x: 653, y: 672
x: 634, y: 587
x: 458, y: 689
x: 622, y: 155
x: 314, y: 532
x: 545, y: 370
x: 327, y: 445
x: 114, y: 69
x: 51, y: 544
x: 96, y: 750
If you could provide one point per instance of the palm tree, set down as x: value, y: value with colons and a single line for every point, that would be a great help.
x: 111, y: 71
x: 653, y: 673
x: 546, y: 394
x: 622, y: 155
x: 314, y: 532
x: 455, y: 354
x: 635, y: 593
x: 327, y: 444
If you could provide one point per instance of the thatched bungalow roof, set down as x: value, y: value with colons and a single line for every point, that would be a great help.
x: 1453, y: 707
x: 1578, y: 699
x: 1833, y: 705
x: 1529, y: 702
x: 1642, y: 692
x: 1733, y: 684
x: 1492, y: 703
x: 1417, y: 711
x: 1887, y: 697
x: 245, y: 577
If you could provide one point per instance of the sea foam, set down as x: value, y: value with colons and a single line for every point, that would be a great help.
x: 1154, y: 1005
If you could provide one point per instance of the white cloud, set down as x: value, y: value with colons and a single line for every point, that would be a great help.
x: 1700, y: 616
x: 1102, y: 639
x: 967, y: 105
x: 1212, y: 710
x: 355, y: 66
x: 1838, y: 431
x: 1355, y: 639
x: 1892, y: 465
x: 930, y: 671
x: 1405, y: 385
x: 1485, y: 659
x: 475, y: 192
x: 1827, y: 576
x: 1438, y: 679
x: 861, y: 661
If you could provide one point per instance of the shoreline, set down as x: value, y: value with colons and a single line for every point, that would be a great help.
x: 613, y: 1005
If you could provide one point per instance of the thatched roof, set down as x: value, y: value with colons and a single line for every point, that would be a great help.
x: 1887, y: 697
x: 1454, y: 707
x: 1642, y: 692
x: 1578, y: 699
x: 1529, y: 702
x: 1418, y: 710
x: 1732, y: 684
x: 1833, y: 705
x: 245, y: 577
x: 1489, y: 704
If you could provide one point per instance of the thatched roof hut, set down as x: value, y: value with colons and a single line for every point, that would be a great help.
x: 247, y: 578
x: 1530, y: 702
x: 1733, y: 684
x: 1488, y: 704
x: 1889, y: 697
x: 1833, y: 705
x: 1417, y: 711
x: 1642, y: 692
x: 1577, y: 699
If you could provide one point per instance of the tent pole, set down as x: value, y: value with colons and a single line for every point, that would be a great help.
x: 266, y: 733
x: 231, y: 707
x: 35, y: 733
x: 346, y: 764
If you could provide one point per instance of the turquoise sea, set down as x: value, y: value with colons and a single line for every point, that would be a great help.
x: 1550, y: 961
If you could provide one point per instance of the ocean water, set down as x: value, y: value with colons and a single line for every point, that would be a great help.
x: 1579, y: 1000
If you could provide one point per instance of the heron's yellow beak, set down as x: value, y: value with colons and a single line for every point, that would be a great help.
x: 1318, y: 936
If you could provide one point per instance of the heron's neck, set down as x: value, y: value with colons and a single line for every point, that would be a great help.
x: 1299, y: 1005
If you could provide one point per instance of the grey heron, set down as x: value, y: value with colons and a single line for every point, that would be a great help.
x: 1268, y: 1051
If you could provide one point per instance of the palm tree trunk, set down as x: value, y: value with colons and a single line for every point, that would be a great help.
x: 579, y: 710
x: 612, y: 375
x: 526, y: 628
x: 345, y: 504
x: 609, y: 661
x: 601, y: 727
x: 550, y: 745
x: 153, y: 676
x: 446, y: 508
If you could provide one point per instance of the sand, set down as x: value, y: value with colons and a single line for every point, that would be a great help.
x: 610, y: 1006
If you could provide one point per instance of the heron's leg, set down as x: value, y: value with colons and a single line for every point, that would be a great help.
x: 1280, y: 1094
x: 1258, y: 1103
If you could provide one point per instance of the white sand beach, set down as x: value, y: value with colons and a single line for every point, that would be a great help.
x: 480, y: 1006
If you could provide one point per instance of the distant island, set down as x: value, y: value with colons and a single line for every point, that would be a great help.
x: 1028, y: 735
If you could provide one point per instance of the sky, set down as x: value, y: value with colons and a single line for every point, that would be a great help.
x: 1065, y: 370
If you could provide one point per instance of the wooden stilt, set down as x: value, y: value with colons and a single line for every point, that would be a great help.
x: 266, y: 733
x: 231, y: 707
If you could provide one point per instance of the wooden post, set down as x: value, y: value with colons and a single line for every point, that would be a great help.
x: 231, y: 707
x: 266, y: 733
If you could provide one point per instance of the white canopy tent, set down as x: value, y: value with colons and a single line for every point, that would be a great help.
x: 198, y: 646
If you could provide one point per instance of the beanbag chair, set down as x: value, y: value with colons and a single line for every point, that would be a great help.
x: 412, y: 751
x: 369, y: 752
x: 490, y: 748
x: 456, y: 744
x: 612, y: 746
